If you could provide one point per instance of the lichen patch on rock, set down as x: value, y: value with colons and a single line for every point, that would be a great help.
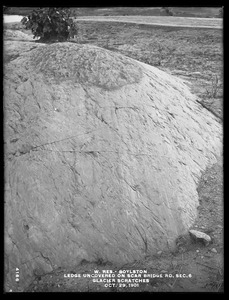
x: 85, y: 64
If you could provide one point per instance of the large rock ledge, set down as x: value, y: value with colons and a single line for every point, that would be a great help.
x: 102, y: 159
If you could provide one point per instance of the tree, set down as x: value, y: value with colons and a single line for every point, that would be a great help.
x: 221, y: 12
x: 51, y: 24
x: 168, y: 11
x: 5, y: 9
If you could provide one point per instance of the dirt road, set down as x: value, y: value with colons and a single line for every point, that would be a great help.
x: 215, y: 23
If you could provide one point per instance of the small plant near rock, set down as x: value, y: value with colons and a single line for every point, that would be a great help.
x: 182, y: 243
x: 50, y: 24
x: 101, y: 262
x: 213, y: 91
x: 161, y: 53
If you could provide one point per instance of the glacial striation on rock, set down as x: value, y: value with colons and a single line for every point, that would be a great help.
x: 102, y: 157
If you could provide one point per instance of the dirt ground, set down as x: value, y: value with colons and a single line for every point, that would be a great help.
x: 196, y: 56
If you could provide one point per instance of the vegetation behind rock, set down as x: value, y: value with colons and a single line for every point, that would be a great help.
x: 50, y: 24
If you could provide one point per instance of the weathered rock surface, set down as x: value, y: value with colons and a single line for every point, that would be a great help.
x: 102, y: 158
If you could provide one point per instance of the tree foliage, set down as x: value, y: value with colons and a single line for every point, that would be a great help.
x: 221, y: 12
x: 168, y: 11
x: 50, y: 24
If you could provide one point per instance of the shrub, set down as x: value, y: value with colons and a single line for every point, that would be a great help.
x: 221, y: 12
x: 50, y: 24
x: 5, y: 9
x: 214, y: 89
x: 168, y: 11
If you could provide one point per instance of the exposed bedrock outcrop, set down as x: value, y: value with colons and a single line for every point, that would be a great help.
x: 102, y: 157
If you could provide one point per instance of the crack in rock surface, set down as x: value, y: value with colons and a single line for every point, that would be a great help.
x: 102, y: 158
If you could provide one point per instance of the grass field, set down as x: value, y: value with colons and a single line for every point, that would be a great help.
x: 193, y: 54
x: 200, y: 12
x: 160, y: 20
